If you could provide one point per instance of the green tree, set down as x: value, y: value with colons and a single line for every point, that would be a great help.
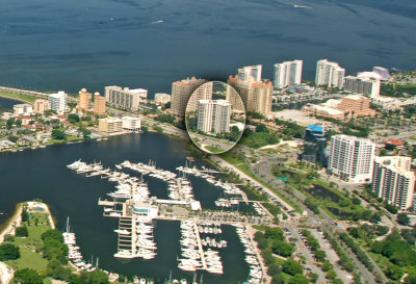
x: 9, y: 252
x: 27, y: 276
x: 95, y: 277
x: 298, y: 279
x: 292, y: 267
x: 73, y: 118
x: 58, y: 134
x: 403, y: 219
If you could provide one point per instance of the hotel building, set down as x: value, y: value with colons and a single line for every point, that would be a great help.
x: 125, y: 98
x: 182, y: 91
x: 394, y: 181
x: 329, y: 74
x: 288, y: 73
x: 214, y: 116
x: 58, y: 102
x: 351, y: 158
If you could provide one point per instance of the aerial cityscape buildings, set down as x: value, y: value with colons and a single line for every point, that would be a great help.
x: 287, y: 73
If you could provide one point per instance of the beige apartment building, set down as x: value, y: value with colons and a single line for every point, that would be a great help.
x: 110, y: 125
x: 99, y: 105
x: 256, y: 95
x: 84, y: 102
x: 182, y: 91
x: 40, y: 106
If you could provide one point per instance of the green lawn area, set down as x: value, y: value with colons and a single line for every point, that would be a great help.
x: 240, y: 163
x: 214, y: 149
x: 18, y: 97
x: 259, y: 139
x: 30, y: 247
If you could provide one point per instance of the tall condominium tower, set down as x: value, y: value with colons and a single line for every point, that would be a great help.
x: 182, y: 91
x: 214, y: 116
x: 250, y: 73
x: 99, y: 105
x: 58, y: 102
x: 351, y: 158
x: 329, y: 74
x: 255, y: 94
x: 394, y: 181
x: 365, y: 83
x: 288, y: 73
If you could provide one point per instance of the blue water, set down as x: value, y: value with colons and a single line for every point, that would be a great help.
x: 68, y: 44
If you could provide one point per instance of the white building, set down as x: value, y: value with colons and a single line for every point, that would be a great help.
x: 22, y: 110
x: 214, y: 116
x: 131, y: 123
x: 329, y: 74
x: 365, y: 83
x: 125, y: 98
x: 288, y: 73
x: 394, y: 181
x: 58, y: 102
x: 250, y: 73
x: 162, y: 98
x: 351, y: 158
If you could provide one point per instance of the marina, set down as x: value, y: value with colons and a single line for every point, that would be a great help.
x: 136, y: 211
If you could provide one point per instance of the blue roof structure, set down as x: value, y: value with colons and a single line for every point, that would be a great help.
x: 316, y: 128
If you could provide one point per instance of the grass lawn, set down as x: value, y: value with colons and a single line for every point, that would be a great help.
x: 18, y: 97
x: 242, y: 165
x: 30, y: 247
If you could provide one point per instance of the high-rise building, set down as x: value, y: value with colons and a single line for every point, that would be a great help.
x: 214, y: 116
x: 314, y: 145
x: 58, y: 102
x: 110, y: 125
x: 99, y: 105
x: 365, y: 83
x: 288, y: 73
x: 329, y: 74
x: 182, y: 91
x: 125, y: 98
x: 394, y: 181
x: 250, y: 73
x: 255, y: 94
x: 40, y: 106
x: 85, y: 97
x: 351, y: 158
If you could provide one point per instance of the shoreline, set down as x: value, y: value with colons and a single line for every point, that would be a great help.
x: 14, y: 221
